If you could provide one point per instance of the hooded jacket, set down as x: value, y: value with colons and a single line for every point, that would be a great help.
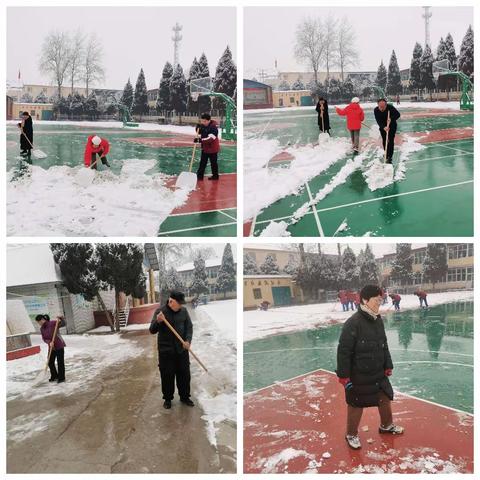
x: 354, y: 114
x: 90, y: 148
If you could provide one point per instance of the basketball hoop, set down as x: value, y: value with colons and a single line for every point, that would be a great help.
x: 195, y: 96
x: 200, y: 86
x: 440, y: 67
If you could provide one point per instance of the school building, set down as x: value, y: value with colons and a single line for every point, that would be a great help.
x: 38, y: 111
x: 292, y: 98
x: 460, y: 261
x: 256, y: 95
x: 283, y: 257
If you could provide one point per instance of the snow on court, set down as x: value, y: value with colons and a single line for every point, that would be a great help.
x: 50, y: 202
x: 263, y: 185
x: 260, y: 324
x: 214, y: 342
x: 85, y: 357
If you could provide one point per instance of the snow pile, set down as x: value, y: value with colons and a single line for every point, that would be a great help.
x: 263, y: 186
x: 276, y: 229
x: 260, y: 324
x: 50, y: 202
x: 85, y: 357
x: 214, y: 341
x: 279, y: 462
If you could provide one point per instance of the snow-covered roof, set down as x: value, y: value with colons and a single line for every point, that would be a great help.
x: 30, y: 265
x: 282, y: 275
x: 269, y: 246
x: 211, y: 262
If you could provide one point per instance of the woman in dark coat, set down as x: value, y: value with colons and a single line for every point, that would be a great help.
x: 322, y: 109
x: 26, y: 134
x: 364, y: 365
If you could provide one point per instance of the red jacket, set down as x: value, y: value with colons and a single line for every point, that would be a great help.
x: 90, y: 148
x: 356, y: 298
x: 342, y: 296
x: 354, y: 114
x: 395, y: 297
x: 350, y: 296
x: 209, y: 136
x: 421, y: 294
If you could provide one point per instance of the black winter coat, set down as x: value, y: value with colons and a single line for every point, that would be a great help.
x: 180, y: 321
x: 381, y: 117
x: 28, y: 131
x: 326, y: 118
x: 363, y: 356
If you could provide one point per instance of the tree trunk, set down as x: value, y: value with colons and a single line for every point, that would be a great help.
x: 107, y: 313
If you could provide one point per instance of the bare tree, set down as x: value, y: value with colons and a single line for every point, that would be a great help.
x: 92, y: 62
x: 330, y: 35
x: 55, y: 57
x: 347, y: 54
x: 77, y: 52
x: 310, y: 44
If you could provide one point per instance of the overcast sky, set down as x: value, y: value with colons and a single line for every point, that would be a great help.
x: 132, y: 38
x: 270, y: 33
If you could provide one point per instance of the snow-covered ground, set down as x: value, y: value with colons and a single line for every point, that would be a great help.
x: 152, y: 127
x: 417, y: 105
x: 86, y: 356
x: 51, y: 202
x: 259, y: 324
x: 214, y: 342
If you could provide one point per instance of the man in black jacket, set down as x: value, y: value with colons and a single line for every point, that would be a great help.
x: 386, y: 116
x: 173, y: 357
x: 364, y: 365
x: 26, y: 135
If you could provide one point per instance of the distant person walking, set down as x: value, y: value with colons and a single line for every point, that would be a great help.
x: 323, y: 117
x: 56, y: 346
x: 364, y: 364
x: 355, y: 116
x: 422, y: 296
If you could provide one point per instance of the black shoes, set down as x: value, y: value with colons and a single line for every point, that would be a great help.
x: 167, y: 404
x: 52, y: 379
x: 61, y: 380
x: 187, y: 402
x: 213, y: 178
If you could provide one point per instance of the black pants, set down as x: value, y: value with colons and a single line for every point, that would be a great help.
x: 94, y: 156
x: 175, y: 366
x: 391, y: 142
x: 203, y: 164
x: 59, y: 356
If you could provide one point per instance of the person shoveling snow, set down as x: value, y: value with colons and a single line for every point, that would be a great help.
x: 208, y: 130
x: 386, y: 117
x: 355, y: 116
x: 95, y: 146
x: 26, y: 139
x: 323, y: 119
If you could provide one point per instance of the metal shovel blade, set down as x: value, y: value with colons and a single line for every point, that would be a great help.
x: 187, y: 180
x: 38, y: 154
x: 85, y: 177
x: 323, y: 137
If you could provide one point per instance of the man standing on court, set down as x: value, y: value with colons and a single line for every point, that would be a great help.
x: 208, y: 138
x: 355, y: 116
x: 386, y: 117
x: 173, y: 356
x: 364, y: 365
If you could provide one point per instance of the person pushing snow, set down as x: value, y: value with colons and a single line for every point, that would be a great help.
x: 96, y: 146
x: 364, y: 365
x: 26, y: 135
x: 355, y: 116
x: 323, y: 117
x: 386, y: 117
x: 208, y: 130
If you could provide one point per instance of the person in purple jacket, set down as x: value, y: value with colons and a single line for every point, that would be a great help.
x: 47, y: 329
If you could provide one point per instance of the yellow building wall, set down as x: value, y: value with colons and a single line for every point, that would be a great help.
x: 289, y: 98
x: 35, y: 109
x: 265, y: 284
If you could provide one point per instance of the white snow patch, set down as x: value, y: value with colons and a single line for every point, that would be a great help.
x: 25, y: 426
x: 50, y: 202
x: 276, y: 229
x: 278, y: 463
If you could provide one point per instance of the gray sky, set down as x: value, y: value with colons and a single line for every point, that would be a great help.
x: 132, y: 38
x: 269, y: 33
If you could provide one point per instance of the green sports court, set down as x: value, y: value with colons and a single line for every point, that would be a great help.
x: 434, y: 199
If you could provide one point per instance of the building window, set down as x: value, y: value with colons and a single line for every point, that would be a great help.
x: 292, y: 99
x: 257, y: 293
x: 460, y: 274
x: 462, y: 250
x: 418, y: 258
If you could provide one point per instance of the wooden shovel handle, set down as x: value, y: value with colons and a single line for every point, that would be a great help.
x: 25, y: 135
x: 386, y: 137
x: 193, y: 156
x: 49, y: 347
x: 182, y: 341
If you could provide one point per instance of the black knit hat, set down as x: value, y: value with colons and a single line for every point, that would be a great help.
x: 42, y: 317
x: 178, y: 296
x: 369, y: 291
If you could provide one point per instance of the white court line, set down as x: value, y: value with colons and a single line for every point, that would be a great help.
x: 454, y: 149
x: 436, y: 363
x: 202, y: 211
x: 196, y: 228
x: 227, y: 215
x: 314, y: 210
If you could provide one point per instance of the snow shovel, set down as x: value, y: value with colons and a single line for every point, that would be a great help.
x: 35, y: 151
x: 323, y: 136
x: 388, y: 166
x: 85, y: 176
x: 182, y: 341
x: 188, y: 180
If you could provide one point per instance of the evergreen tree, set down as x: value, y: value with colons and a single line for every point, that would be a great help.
x: 441, y: 52
x: 225, y: 80
x: 172, y: 280
x: 368, y: 268
x: 292, y: 265
x: 41, y: 98
x: 394, y: 82
x: 77, y: 104
x: 435, y: 266
x: 164, y: 103
x: 450, y: 53
x: 426, y: 69
x: 402, y: 264
x: 381, y: 79
x: 465, y: 57
x: 298, y: 85
x: 120, y: 266
x: 204, y: 101
x: 348, y: 271
x: 140, y: 97
x: 127, y: 96
x: 26, y: 98
x: 270, y: 266
x: 91, y: 106
x: 227, y: 275
x: 178, y: 91
x: 415, y: 81
x: 199, y: 283
x: 192, y: 75
x: 347, y: 89
x: 249, y: 265
x: 283, y: 86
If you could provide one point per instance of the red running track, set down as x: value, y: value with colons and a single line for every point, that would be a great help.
x: 298, y: 426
